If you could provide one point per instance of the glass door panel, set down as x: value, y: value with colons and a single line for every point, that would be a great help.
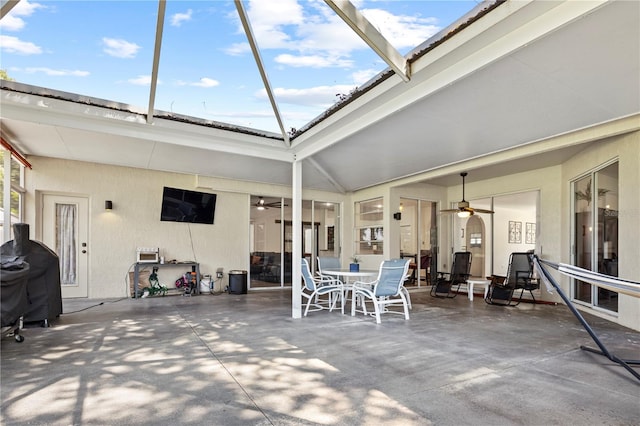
x: 327, y: 215
x: 418, y: 237
x: 66, y: 243
x: 607, y: 235
x: 266, y: 241
x: 409, y: 234
x: 271, y: 237
x: 595, y: 240
x: 428, y: 240
x: 583, y: 231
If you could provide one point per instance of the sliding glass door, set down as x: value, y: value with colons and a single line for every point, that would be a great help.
x: 595, y: 233
x: 418, y: 237
x: 271, y: 238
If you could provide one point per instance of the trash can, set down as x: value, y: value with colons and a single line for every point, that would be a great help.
x: 237, y: 282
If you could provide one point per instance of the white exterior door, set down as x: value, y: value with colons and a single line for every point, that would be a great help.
x: 65, y: 231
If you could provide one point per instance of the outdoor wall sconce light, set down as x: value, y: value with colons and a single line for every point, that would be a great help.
x: 398, y: 215
x: 108, y: 205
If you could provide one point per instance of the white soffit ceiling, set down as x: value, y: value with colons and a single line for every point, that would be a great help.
x: 584, y: 73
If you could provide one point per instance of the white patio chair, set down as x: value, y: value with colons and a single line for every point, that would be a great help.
x: 316, y: 287
x: 405, y: 290
x: 387, y: 290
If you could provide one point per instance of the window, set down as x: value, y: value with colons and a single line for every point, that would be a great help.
x: 369, y: 231
x: 595, y: 233
x: 16, y: 193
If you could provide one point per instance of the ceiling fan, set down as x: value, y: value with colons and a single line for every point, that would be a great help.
x: 463, y: 209
x: 263, y: 205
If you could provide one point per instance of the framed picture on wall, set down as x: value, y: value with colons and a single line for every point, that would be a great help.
x: 530, y: 233
x: 515, y: 232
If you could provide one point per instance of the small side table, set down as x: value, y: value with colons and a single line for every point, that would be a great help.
x: 477, y: 281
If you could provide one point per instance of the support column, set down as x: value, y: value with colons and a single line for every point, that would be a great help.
x: 296, y: 255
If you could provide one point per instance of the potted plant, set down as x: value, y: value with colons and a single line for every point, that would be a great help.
x: 354, y: 266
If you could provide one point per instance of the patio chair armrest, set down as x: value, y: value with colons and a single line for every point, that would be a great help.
x: 364, y: 283
x: 366, y: 289
x: 327, y: 280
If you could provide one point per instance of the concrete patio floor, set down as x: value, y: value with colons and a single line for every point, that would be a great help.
x: 242, y: 360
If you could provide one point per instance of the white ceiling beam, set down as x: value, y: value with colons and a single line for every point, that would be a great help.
x: 55, y: 112
x: 326, y: 174
x: 263, y: 73
x: 156, y: 59
x: 367, y: 32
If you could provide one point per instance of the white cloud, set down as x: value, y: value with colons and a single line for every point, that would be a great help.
x: 141, y: 80
x: 329, y: 35
x: 12, y: 44
x: 178, y: 18
x: 120, y: 48
x: 206, y: 82
x: 265, y: 14
x: 315, y: 61
x: 203, y: 82
x: 402, y: 31
x: 237, y: 49
x: 13, y: 21
x: 26, y: 8
x: 57, y: 73
x: 319, y: 37
x: 362, y: 76
x: 319, y: 96
x: 284, y: 25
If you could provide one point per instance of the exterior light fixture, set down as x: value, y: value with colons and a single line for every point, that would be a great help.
x: 108, y: 205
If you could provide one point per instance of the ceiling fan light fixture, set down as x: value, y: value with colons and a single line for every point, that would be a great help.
x: 260, y: 204
x: 464, y: 210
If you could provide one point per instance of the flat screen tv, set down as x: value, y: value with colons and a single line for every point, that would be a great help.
x: 181, y: 205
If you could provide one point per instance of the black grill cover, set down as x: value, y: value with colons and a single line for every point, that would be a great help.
x: 43, y: 285
x: 14, y: 302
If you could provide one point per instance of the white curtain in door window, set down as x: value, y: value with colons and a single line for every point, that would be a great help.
x: 66, y: 241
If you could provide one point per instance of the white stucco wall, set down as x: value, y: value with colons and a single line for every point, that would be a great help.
x: 626, y: 149
x: 135, y: 221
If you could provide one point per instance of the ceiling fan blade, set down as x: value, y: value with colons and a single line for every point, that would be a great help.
x: 484, y: 211
x: 277, y: 204
x: 463, y: 206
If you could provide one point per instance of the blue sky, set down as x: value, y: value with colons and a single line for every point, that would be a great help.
x: 104, y: 49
